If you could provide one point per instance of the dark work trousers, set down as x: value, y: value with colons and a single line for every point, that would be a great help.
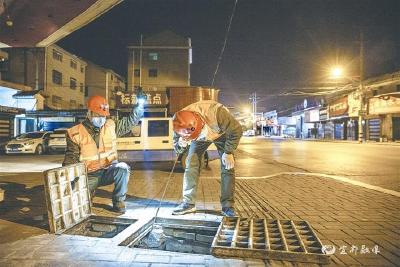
x: 117, y: 174
x: 192, y: 173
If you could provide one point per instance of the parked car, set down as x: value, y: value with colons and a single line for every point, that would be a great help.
x: 250, y: 132
x: 32, y: 142
x: 58, y: 141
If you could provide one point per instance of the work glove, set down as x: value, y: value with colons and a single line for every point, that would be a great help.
x: 228, y: 161
x: 181, y: 146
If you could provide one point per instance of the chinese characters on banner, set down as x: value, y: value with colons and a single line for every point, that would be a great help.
x: 153, y: 99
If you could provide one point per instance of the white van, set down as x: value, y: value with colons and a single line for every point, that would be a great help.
x: 152, y: 140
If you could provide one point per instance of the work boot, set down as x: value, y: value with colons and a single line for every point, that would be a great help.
x: 228, y: 212
x: 184, y: 208
x: 119, y: 206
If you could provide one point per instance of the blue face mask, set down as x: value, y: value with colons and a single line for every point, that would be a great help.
x: 98, y: 121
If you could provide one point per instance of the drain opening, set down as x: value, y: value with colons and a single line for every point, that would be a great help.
x: 103, y: 227
x: 185, y: 236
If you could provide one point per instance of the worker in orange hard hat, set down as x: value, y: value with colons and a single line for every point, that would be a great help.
x: 93, y: 142
x: 201, y: 124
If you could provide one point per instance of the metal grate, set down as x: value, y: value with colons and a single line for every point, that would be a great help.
x: 268, y: 239
x: 67, y: 196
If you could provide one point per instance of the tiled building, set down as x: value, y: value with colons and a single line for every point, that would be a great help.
x: 57, y: 74
x: 162, y: 60
x: 104, y: 82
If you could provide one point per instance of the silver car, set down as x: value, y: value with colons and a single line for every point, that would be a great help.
x: 28, y: 143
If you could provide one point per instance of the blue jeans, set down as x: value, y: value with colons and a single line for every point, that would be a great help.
x: 117, y: 174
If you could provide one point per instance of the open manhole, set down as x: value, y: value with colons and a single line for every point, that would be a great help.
x: 185, y: 236
x: 69, y: 207
x: 103, y: 227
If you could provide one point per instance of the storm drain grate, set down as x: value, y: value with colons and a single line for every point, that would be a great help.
x: 268, y: 239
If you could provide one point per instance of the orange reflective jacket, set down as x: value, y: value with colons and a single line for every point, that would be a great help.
x: 93, y: 157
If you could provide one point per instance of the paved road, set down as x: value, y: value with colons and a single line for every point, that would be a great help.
x: 369, y: 163
x: 374, y: 164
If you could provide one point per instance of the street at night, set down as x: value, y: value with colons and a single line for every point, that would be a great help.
x: 200, y: 133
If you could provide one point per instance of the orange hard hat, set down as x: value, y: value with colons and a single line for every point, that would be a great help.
x: 98, y: 104
x: 188, y: 124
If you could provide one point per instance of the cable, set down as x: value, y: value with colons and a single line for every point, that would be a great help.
x: 225, y: 41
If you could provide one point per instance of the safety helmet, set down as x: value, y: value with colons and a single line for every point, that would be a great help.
x: 98, y: 104
x: 188, y: 124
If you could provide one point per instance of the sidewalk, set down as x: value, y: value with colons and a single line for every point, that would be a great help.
x: 341, y: 214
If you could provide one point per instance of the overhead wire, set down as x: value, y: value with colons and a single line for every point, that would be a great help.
x: 225, y: 41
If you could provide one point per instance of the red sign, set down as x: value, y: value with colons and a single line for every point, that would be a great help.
x: 338, y: 108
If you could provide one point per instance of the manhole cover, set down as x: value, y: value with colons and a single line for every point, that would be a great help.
x: 185, y: 236
x: 268, y: 239
x: 69, y: 207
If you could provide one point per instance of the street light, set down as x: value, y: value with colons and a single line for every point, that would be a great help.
x: 336, y: 72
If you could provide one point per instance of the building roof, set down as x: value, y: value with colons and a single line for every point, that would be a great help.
x: 164, y: 39
x: 27, y: 94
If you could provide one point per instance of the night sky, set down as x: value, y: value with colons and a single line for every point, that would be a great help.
x: 273, y: 45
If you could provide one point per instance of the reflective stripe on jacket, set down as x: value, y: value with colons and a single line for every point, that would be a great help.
x: 93, y: 157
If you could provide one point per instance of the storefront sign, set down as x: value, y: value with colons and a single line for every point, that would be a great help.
x: 338, y: 108
x: 311, y: 115
x: 354, y: 101
x: 323, y: 114
x: 286, y: 120
x: 384, y: 105
x: 154, y: 98
x: 10, y: 110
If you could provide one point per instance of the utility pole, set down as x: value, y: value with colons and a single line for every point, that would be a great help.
x: 361, y: 93
x: 253, y: 98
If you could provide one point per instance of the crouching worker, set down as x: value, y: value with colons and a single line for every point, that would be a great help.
x: 201, y: 124
x: 94, y: 142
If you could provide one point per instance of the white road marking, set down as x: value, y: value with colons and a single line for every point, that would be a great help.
x: 335, y: 177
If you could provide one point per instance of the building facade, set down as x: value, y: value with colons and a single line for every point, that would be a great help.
x: 159, y: 61
x: 104, y: 82
x: 57, y: 74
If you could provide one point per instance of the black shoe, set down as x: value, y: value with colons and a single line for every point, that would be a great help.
x: 184, y: 208
x: 228, y: 212
x: 119, y: 207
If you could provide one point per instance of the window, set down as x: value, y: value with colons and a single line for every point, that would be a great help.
x: 398, y: 88
x: 375, y: 92
x: 137, y: 73
x: 56, y: 100
x: 112, y: 77
x: 158, y: 128
x: 152, y: 72
x: 73, y: 64
x: 72, y: 104
x: 153, y: 56
x: 82, y: 69
x: 57, y: 77
x: 80, y: 106
x: 57, y: 55
x: 86, y: 90
x: 81, y: 87
x: 72, y: 83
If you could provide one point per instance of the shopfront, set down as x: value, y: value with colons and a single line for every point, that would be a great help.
x: 384, y: 117
x: 338, y: 115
